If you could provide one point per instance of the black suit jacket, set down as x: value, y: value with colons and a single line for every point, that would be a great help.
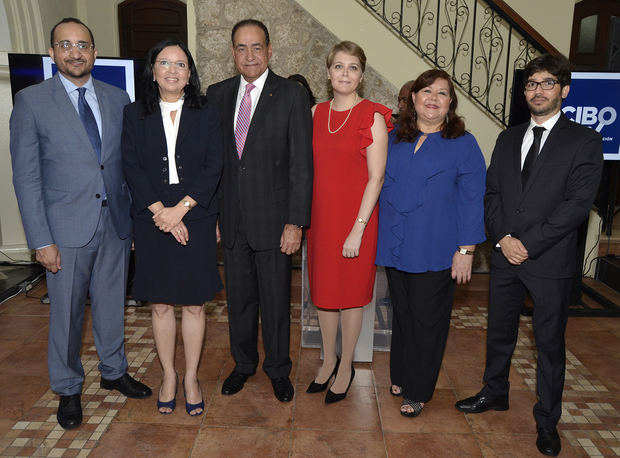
x: 557, y: 199
x: 272, y: 183
x: 198, y: 156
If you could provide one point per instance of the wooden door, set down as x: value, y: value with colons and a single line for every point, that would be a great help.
x: 143, y: 23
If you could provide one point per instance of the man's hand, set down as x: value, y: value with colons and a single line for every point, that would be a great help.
x: 290, y: 241
x: 513, y: 250
x: 49, y: 257
x: 218, y: 234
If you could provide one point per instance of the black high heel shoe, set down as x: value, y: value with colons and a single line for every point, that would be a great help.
x: 318, y: 387
x: 332, y: 397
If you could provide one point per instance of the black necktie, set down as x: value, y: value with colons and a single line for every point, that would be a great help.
x: 532, y: 155
x: 90, y: 124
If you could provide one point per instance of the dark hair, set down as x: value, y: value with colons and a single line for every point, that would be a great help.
x: 150, y: 89
x: 75, y: 21
x: 299, y: 79
x: 558, y: 66
x: 452, y: 128
x: 347, y: 47
x: 245, y: 22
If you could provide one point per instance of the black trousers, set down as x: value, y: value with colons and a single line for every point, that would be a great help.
x: 507, y: 291
x: 258, y: 282
x: 422, y: 305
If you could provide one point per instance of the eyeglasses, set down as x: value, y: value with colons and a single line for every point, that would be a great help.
x: 66, y: 45
x: 166, y: 64
x: 546, y: 85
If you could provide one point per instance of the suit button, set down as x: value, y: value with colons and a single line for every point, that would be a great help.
x: 164, y: 169
x: 102, y: 167
x: 178, y: 157
x: 164, y: 158
x: 165, y: 181
x: 98, y: 196
x: 179, y: 167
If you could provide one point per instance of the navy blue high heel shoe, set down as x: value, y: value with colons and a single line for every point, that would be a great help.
x: 189, y: 407
x: 168, y: 404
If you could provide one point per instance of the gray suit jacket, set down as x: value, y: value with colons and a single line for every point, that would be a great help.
x: 57, y: 177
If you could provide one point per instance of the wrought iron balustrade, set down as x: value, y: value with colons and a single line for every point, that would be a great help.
x: 478, y: 42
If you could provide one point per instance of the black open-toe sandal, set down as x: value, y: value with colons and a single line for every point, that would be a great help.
x: 400, y: 390
x: 416, y: 406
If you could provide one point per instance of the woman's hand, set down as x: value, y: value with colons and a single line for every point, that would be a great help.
x: 461, y: 267
x: 169, y: 217
x: 180, y: 233
x: 351, y: 247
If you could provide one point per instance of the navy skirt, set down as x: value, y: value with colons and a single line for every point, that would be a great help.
x: 170, y: 273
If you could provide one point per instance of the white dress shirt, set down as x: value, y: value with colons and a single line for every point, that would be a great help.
x: 171, y: 130
x: 254, y: 93
x: 528, y: 138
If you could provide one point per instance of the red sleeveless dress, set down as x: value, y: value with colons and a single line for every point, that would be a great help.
x: 340, y: 177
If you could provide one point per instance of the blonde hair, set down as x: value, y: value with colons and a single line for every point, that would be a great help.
x: 350, y: 48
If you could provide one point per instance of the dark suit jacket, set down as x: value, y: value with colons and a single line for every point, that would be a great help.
x: 272, y: 183
x: 198, y: 157
x: 556, y: 200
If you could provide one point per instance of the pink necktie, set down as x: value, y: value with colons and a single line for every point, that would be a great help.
x: 243, y: 119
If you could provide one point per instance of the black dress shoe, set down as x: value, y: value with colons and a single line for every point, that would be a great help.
x: 234, y: 383
x: 127, y: 385
x: 318, y: 387
x: 283, y: 389
x: 548, y: 441
x: 481, y: 403
x: 332, y: 397
x: 69, y: 414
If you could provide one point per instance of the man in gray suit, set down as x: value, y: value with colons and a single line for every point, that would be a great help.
x: 74, y: 202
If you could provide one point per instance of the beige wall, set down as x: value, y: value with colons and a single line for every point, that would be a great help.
x: 553, y: 19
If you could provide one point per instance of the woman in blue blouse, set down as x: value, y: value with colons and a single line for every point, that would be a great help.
x: 430, y: 220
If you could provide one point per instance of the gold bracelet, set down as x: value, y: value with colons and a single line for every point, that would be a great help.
x: 360, y: 220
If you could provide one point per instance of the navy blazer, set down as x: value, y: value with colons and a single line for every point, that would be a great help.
x: 198, y: 157
x: 557, y: 199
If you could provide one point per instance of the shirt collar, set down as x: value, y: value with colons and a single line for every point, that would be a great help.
x: 259, y: 82
x: 548, y: 124
x: 70, y: 86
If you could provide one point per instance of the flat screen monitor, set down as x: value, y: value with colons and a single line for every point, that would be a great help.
x: 28, y: 69
x: 593, y: 100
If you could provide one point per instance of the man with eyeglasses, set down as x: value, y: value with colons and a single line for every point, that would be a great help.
x: 74, y: 203
x: 541, y: 183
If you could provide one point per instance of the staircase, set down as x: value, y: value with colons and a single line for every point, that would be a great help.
x: 480, y: 43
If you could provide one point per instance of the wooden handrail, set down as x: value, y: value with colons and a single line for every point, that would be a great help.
x: 523, y: 24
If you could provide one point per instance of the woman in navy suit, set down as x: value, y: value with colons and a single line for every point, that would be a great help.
x: 172, y: 158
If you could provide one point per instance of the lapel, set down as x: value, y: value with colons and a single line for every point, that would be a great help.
x: 228, y: 112
x: 154, y: 130
x: 517, y: 141
x: 548, y: 149
x: 262, y: 109
x: 72, y: 118
x: 186, y: 124
x: 104, y: 110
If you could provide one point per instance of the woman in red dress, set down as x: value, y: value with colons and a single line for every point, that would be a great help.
x: 350, y: 151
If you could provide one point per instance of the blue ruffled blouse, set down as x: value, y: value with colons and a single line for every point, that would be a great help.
x: 431, y: 202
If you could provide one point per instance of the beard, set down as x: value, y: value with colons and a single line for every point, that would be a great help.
x: 551, y: 106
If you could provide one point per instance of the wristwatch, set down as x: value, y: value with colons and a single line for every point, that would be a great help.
x: 465, y: 251
x: 187, y: 204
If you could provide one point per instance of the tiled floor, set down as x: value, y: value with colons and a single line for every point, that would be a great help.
x: 253, y: 423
